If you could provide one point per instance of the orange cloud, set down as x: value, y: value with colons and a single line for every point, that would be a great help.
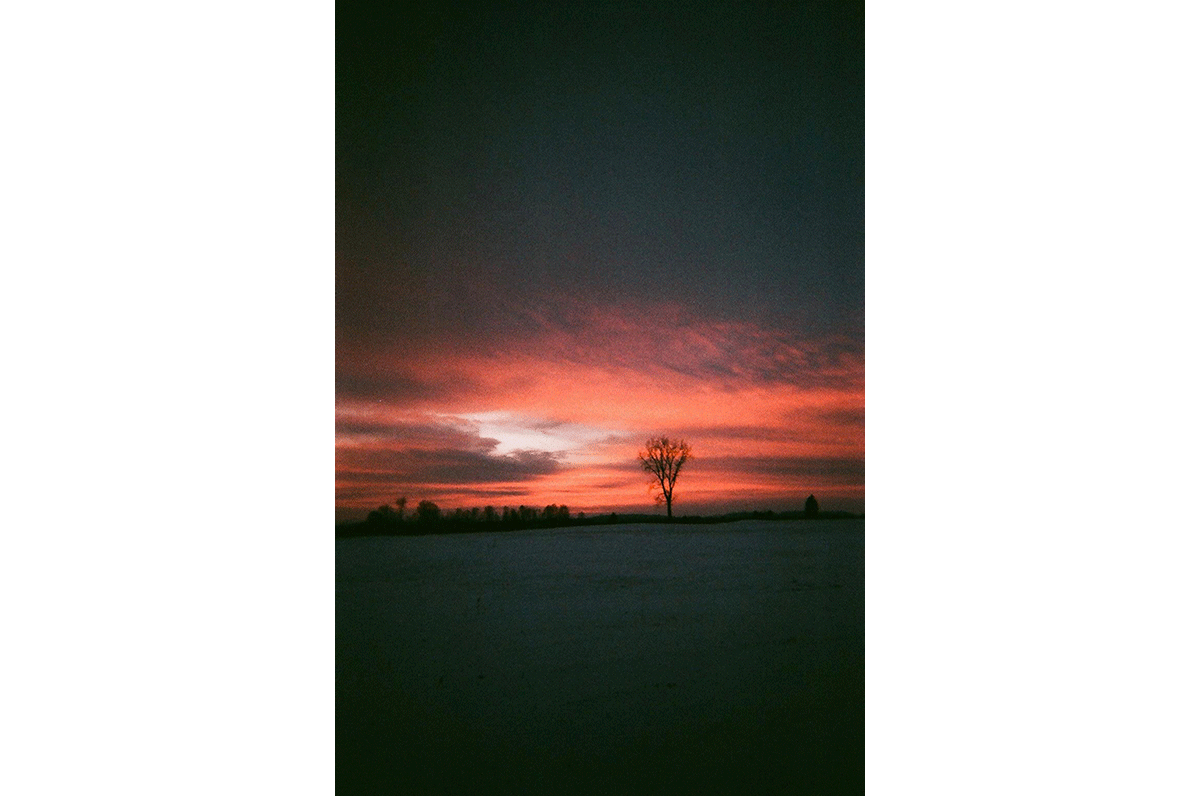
x: 556, y: 414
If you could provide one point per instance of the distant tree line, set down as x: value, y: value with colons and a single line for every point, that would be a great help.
x: 429, y: 518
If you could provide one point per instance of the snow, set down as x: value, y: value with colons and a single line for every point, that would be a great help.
x: 617, y: 658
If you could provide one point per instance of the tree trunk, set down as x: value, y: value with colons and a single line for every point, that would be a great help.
x: 668, y: 509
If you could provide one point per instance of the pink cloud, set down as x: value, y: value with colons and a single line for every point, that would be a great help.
x: 745, y: 396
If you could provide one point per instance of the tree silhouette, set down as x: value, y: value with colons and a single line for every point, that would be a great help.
x: 381, y: 515
x: 663, y: 458
x: 428, y: 511
x: 810, y: 507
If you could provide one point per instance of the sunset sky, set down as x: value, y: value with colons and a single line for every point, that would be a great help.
x: 562, y: 230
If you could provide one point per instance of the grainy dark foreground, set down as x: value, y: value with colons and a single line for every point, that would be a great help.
x: 614, y: 659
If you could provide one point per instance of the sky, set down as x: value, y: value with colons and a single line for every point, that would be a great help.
x: 562, y: 229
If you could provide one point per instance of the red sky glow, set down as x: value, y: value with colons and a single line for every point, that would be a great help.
x: 559, y: 415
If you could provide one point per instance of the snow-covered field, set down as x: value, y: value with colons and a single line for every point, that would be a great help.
x: 611, y: 659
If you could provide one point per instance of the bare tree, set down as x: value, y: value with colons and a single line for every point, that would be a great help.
x: 663, y: 458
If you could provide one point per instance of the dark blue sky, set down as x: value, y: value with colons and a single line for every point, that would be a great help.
x: 487, y: 158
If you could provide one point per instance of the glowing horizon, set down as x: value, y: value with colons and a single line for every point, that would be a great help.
x: 559, y: 418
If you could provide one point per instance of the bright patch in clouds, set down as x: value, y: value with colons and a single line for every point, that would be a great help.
x: 516, y: 432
